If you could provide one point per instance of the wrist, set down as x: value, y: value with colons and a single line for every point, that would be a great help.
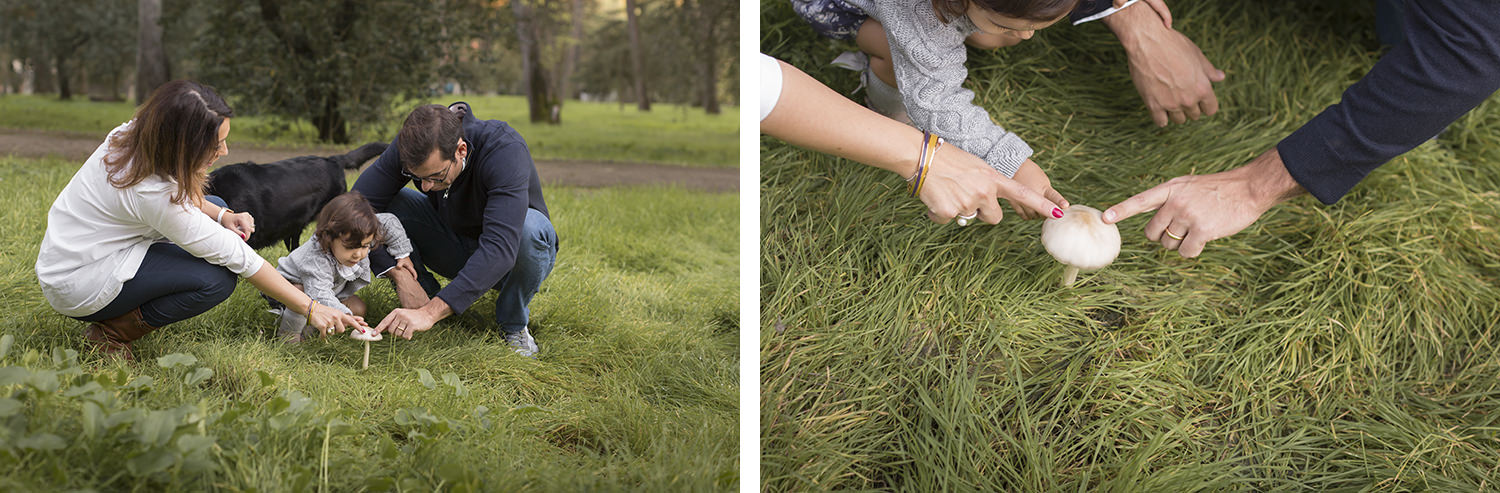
x: 1130, y: 23
x: 222, y: 212
x: 435, y: 309
x: 1269, y: 181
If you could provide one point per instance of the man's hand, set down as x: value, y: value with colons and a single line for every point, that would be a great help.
x: 1170, y: 72
x: 1196, y: 209
x: 1032, y: 176
x: 404, y: 264
x: 406, y: 322
x: 404, y: 280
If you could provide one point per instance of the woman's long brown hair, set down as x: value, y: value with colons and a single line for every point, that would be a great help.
x: 174, y: 136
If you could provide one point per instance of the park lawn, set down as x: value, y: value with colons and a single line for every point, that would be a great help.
x: 590, y: 131
x: 635, y: 389
x: 1343, y: 347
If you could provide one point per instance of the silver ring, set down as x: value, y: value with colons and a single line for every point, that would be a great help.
x: 963, y: 219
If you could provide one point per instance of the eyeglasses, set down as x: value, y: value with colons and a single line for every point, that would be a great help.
x: 433, y: 179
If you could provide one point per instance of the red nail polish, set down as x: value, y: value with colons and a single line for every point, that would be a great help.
x: 1057, y: 213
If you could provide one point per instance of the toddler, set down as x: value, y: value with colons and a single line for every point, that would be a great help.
x: 334, y: 264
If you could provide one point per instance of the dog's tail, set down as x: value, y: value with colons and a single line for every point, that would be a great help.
x: 356, y: 158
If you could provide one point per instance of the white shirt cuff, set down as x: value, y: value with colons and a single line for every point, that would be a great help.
x: 1105, y: 13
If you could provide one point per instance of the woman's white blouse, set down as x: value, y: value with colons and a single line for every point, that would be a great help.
x: 97, y: 236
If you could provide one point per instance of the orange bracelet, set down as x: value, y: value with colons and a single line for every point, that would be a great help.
x: 930, y: 143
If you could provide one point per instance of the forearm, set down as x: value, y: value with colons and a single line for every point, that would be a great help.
x: 802, y: 117
x: 1449, y: 63
x: 436, y: 308
x: 1132, y: 23
x: 270, y: 282
x: 209, y: 208
x: 1268, y: 179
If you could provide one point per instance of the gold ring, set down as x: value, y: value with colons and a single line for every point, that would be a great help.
x: 1172, y: 236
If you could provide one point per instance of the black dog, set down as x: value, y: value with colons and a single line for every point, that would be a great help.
x: 286, y: 195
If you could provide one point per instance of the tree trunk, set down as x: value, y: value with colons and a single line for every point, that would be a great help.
x: 708, y: 61
x: 151, y: 68
x: 64, y: 86
x: 570, y: 62
x: 330, y: 122
x: 533, y: 79
x: 43, y: 80
x: 637, y: 63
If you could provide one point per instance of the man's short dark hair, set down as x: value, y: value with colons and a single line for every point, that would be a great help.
x: 428, y: 127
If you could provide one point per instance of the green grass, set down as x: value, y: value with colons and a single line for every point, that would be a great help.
x: 1345, y: 347
x: 635, y: 389
x: 590, y: 131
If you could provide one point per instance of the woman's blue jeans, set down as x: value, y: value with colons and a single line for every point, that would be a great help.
x: 171, y: 285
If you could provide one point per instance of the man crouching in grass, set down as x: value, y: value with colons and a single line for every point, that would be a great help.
x: 479, y: 219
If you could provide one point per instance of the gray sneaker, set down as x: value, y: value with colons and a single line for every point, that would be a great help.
x: 522, y: 342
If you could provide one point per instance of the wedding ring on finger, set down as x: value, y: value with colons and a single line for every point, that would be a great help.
x: 1172, y: 235
x: 963, y: 219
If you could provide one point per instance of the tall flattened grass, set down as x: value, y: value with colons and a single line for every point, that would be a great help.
x: 590, y: 131
x: 1325, y: 347
x: 635, y: 389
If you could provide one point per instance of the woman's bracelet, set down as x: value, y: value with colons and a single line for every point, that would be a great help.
x: 310, y: 304
x: 220, y: 219
x: 930, y: 143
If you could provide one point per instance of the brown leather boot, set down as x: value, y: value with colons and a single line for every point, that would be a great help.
x: 112, y: 337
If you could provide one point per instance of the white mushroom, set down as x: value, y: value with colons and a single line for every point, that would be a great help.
x: 1081, y: 240
x: 366, y: 334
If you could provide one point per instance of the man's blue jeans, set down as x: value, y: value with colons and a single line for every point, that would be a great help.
x: 436, y: 247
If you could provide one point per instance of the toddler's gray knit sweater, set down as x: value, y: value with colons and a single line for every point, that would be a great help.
x: 324, y: 279
x: 929, y: 60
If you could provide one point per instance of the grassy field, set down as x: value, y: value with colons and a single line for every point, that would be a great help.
x: 1345, y: 347
x: 635, y: 388
x: 590, y: 131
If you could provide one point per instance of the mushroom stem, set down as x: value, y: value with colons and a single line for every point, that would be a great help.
x: 367, y: 356
x: 1070, y: 274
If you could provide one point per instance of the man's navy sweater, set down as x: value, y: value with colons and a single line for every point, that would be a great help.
x: 1448, y: 64
x: 486, y: 202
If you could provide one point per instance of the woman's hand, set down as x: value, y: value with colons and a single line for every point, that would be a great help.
x: 331, y: 321
x: 1035, y: 179
x: 240, y: 222
x: 959, y: 183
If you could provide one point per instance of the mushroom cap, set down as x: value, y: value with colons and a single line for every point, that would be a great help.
x: 1081, y: 238
x: 367, y: 334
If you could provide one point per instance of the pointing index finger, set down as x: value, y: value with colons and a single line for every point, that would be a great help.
x: 1146, y: 201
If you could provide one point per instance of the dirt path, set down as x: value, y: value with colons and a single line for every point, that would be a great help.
x: 77, y: 147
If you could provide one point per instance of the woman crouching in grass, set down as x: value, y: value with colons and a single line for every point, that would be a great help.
x: 132, y: 242
x: 335, y: 263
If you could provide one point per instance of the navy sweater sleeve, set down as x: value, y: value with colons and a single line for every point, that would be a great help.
x: 1448, y: 64
x: 506, y: 175
x: 381, y: 180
